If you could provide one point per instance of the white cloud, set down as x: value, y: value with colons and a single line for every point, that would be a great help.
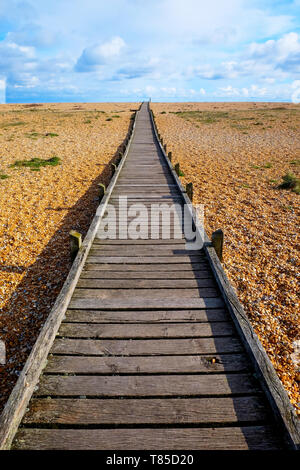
x: 268, y: 60
x: 205, y: 71
x: 229, y: 91
x: 99, y: 54
x: 252, y: 91
x: 110, y: 49
x: 277, y: 50
x: 282, y: 54
x: 31, y: 34
x: 164, y: 92
x: 14, y: 50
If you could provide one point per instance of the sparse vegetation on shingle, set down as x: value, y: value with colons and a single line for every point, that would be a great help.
x: 36, y: 163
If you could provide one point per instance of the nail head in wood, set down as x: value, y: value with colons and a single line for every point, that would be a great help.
x: 217, y: 240
x: 75, y: 243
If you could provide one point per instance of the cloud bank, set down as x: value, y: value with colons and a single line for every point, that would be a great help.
x: 128, y: 49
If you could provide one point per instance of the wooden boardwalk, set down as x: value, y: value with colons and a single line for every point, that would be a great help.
x: 147, y: 355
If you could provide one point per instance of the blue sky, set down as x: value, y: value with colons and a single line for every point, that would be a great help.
x: 129, y: 50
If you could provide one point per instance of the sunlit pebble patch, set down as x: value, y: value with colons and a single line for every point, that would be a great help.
x: 39, y: 208
x: 260, y: 222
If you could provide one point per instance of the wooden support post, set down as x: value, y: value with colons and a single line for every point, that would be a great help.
x: 101, y: 191
x: 119, y: 159
x: 189, y: 190
x: 217, y: 240
x: 177, y: 168
x: 165, y: 147
x: 75, y: 243
x: 170, y: 156
x: 113, y: 168
x: 162, y: 141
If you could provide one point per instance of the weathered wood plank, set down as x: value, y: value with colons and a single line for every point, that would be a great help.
x: 158, y: 276
x: 147, y: 365
x: 140, y: 347
x: 231, y: 438
x: 172, y: 242
x: 145, y: 330
x: 142, y: 251
x: 146, y: 260
x: 140, y: 248
x: 146, y: 411
x: 148, y: 223
x: 144, y: 294
x: 144, y: 283
x: 145, y: 316
x: 125, y: 304
x: 146, y: 267
x: 138, y: 386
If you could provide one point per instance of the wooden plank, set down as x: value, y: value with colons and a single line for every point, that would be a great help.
x: 147, y: 365
x: 145, y: 186
x: 105, y: 247
x: 145, y: 330
x: 125, y: 304
x: 144, y: 193
x: 165, y: 197
x: 145, y: 219
x: 146, y: 411
x: 147, y: 244
x: 89, y: 266
x: 145, y: 234
x: 148, y: 200
x: 160, y: 179
x: 231, y: 438
x: 145, y: 316
x: 139, y: 386
x: 159, y: 276
x: 144, y: 283
x: 81, y: 293
x: 146, y: 260
x: 173, y: 241
x: 142, y: 347
x: 100, y: 250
